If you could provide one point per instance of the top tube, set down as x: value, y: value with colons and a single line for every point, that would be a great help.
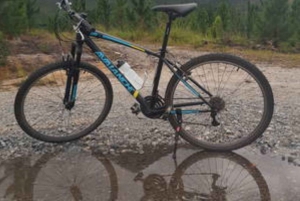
x: 121, y: 42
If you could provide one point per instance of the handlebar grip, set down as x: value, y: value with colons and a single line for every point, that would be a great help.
x: 87, y: 26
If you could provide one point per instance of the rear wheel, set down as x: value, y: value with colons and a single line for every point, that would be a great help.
x: 240, y: 96
x: 40, y: 109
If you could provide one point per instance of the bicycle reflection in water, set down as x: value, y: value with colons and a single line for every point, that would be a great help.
x: 208, y: 176
x: 203, y: 176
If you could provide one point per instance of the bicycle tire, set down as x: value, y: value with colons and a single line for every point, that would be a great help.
x: 73, y: 172
x: 197, y: 159
x: 222, y: 62
x: 41, y: 86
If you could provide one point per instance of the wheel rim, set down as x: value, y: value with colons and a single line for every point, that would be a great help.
x: 239, y: 116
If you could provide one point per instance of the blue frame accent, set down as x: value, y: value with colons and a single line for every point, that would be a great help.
x: 74, y: 93
x: 185, y: 112
x: 115, y: 71
x: 188, y: 86
x: 117, y: 40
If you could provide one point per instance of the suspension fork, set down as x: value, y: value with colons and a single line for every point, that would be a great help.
x: 73, y: 73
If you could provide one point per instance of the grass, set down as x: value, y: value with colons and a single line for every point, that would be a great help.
x: 287, y: 60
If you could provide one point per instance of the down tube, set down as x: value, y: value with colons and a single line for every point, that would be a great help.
x: 123, y: 80
x: 114, y: 70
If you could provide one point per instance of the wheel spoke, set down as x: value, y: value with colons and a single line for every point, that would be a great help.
x: 238, y: 99
x: 43, y: 110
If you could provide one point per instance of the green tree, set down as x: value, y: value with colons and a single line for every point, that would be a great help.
x: 203, y: 20
x: 103, y: 12
x: 199, y: 20
x: 295, y: 22
x: 31, y: 10
x: 237, y: 21
x: 224, y: 13
x: 252, y: 15
x: 4, y: 51
x: 273, y: 24
x: 119, y: 13
x: 217, y: 28
x: 15, y: 15
x: 141, y: 14
x: 79, y: 5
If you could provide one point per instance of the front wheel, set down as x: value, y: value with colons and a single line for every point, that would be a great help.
x: 41, y: 109
x: 236, y: 108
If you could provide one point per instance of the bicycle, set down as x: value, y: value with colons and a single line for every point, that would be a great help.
x: 205, y: 101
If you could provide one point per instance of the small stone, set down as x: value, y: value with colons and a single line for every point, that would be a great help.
x: 290, y: 159
x: 114, y: 146
x: 294, y: 154
x: 296, y: 162
x: 154, y: 143
x: 3, y: 144
x: 263, y: 150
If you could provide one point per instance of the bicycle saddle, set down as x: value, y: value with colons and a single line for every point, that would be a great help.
x: 180, y: 10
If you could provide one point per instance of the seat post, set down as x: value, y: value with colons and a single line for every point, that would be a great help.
x: 162, y: 54
x: 167, y: 34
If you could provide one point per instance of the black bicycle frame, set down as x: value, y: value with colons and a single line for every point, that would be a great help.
x: 162, y: 60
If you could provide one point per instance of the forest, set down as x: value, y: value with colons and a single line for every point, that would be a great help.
x: 226, y: 22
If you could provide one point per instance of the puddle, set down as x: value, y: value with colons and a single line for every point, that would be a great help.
x: 196, y: 175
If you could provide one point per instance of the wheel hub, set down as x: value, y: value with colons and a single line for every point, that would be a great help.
x: 217, y: 103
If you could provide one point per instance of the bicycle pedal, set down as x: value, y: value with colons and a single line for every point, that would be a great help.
x: 135, y: 109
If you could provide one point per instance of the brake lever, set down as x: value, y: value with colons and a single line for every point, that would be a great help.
x: 77, y: 30
x: 59, y: 5
x: 64, y: 3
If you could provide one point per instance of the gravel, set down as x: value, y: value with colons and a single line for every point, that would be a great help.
x: 124, y: 132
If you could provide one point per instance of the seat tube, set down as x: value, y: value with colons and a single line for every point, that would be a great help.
x: 162, y: 56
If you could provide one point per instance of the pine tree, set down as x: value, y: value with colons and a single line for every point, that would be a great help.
x: 217, y: 28
x: 202, y: 21
x: 103, y: 12
x: 119, y: 13
x: 15, y: 15
x: 79, y: 5
x: 252, y: 15
x: 31, y: 10
x: 273, y: 24
x: 224, y: 13
x: 140, y: 14
x: 295, y: 21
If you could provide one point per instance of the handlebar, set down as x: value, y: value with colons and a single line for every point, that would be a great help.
x: 84, y: 25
